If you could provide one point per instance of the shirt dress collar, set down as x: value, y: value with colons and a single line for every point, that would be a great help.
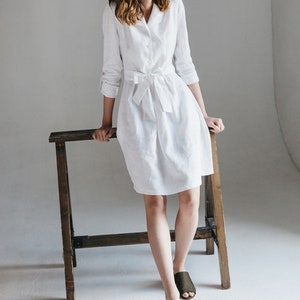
x: 155, y: 18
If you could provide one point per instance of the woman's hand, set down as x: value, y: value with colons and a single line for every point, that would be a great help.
x: 103, y: 133
x: 214, y: 124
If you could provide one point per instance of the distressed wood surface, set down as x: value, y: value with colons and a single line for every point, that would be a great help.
x: 123, y: 239
x: 75, y: 135
x: 65, y: 215
x: 219, y: 217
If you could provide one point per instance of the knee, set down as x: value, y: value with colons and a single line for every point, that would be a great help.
x: 189, y: 202
x: 155, y: 205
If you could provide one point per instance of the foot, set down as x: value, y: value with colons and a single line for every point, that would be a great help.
x: 185, y: 285
x: 175, y: 297
x: 185, y: 295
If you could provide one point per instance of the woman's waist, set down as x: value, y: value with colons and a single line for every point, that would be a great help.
x: 138, y: 76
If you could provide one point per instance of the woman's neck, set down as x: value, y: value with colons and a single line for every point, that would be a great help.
x: 147, y: 4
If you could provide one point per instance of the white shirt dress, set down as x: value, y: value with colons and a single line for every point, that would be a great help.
x: 161, y: 129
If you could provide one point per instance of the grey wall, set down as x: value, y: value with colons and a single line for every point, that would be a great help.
x: 232, y: 47
x: 50, y: 58
x: 286, y: 42
x: 50, y: 61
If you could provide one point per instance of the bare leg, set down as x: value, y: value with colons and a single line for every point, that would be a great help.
x: 185, y: 227
x: 160, y: 242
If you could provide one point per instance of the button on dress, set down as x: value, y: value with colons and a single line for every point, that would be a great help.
x: 161, y: 130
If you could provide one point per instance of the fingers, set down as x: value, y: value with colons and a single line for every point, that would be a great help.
x: 103, y: 134
x: 219, y: 125
x: 215, y: 125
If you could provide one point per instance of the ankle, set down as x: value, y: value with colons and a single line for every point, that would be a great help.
x: 178, y: 267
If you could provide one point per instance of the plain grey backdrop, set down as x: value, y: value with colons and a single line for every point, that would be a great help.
x: 247, y: 53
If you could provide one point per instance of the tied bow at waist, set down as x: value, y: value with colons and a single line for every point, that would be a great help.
x: 157, y: 79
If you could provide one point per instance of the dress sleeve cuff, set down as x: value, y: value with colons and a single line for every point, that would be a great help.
x: 189, y: 77
x: 109, y: 90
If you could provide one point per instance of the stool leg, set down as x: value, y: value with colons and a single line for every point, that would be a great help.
x: 209, y: 212
x: 72, y: 239
x: 71, y: 225
x: 71, y: 217
x: 65, y: 213
x: 219, y: 218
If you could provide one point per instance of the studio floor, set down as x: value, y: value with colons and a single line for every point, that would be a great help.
x: 262, y: 236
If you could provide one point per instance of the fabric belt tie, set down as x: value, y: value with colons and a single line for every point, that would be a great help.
x: 146, y: 80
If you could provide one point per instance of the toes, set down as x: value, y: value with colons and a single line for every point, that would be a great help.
x: 188, y: 295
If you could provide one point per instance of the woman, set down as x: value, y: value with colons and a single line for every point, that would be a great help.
x: 162, y: 122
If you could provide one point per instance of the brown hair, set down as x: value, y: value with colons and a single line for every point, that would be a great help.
x: 130, y: 11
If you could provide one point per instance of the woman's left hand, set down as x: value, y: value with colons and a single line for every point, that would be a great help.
x: 214, y: 124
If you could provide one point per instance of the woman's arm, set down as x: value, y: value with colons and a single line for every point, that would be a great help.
x: 214, y: 124
x: 105, y: 131
x: 112, y: 72
x: 186, y: 70
x: 196, y: 91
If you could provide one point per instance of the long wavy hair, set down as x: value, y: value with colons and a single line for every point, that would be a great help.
x: 130, y: 11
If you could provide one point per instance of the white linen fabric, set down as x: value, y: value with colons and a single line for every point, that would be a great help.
x: 161, y: 129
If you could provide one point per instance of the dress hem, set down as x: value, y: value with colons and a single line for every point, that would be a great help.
x: 170, y: 192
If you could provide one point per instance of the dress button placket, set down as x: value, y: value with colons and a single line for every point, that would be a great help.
x: 150, y: 49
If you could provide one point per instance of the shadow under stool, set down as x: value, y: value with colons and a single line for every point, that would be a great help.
x: 213, y: 232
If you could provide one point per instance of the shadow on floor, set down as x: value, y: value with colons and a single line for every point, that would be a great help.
x: 30, y: 267
x: 46, y: 298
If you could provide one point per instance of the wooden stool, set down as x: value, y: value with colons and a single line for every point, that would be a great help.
x: 214, y: 231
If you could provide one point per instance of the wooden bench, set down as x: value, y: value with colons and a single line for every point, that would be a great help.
x: 213, y: 232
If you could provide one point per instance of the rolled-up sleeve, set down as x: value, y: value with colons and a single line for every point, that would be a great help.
x: 112, y: 60
x: 183, y: 62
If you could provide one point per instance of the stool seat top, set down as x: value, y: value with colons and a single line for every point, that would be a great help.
x: 74, y: 135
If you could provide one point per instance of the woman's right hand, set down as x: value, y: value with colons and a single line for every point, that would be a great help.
x: 103, y: 133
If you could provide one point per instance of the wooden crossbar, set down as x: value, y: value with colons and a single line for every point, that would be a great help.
x: 75, y: 135
x: 124, y: 239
